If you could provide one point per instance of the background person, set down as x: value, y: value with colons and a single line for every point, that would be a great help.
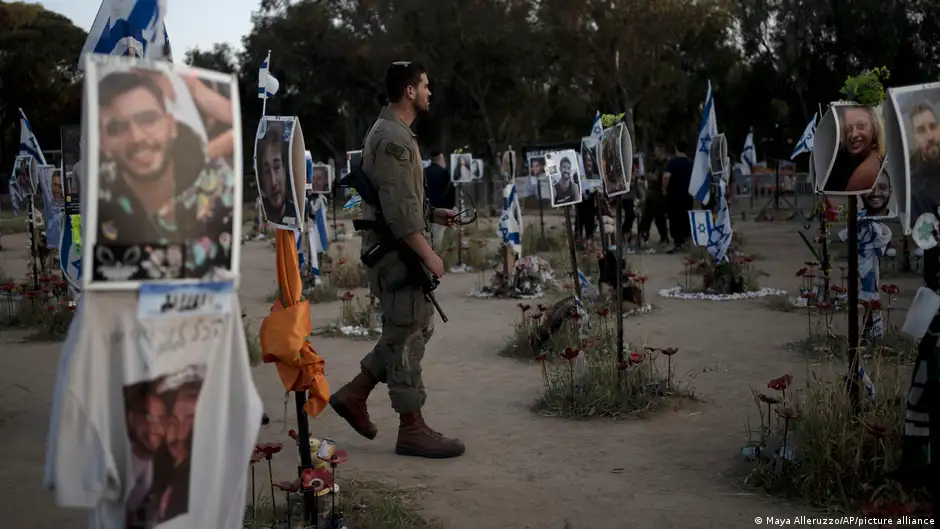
x: 676, y: 180
x: 441, y: 193
x: 654, y: 207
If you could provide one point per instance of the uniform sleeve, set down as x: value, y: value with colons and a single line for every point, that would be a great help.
x: 392, y: 174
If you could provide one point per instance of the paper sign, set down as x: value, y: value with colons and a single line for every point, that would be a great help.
x: 162, y: 300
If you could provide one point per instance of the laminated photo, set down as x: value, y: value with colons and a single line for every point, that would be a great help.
x: 912, y: 118
x: 562, y: 169
x: 476, y: 169
x: 163, y: 158
x: 849, y: 149
x: 614, y: 171
x: 321, y: 178
x: 24, y: 170
x: 281, y: 170
x: 881, y: 202
x: 590, y: 168
x: 353, y: 160
x: 461, y: 168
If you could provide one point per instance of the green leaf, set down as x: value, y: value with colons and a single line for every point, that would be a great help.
x: 866, y: 88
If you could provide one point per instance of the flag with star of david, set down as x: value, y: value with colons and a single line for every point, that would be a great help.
x: 806, y: 140
x: 700, y: 184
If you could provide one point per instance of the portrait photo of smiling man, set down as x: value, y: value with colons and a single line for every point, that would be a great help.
x: 160, y: 183
x: 880, y: 203
x: 923, y: 139
x: 273, y: 167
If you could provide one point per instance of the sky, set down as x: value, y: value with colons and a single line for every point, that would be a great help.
x: 189, y: 23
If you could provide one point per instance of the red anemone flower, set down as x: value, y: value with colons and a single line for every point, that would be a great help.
x: 780, y: 383
x: 808, y: 295
x: 571, y: 353
x: 347, y: 296
x: 890, y: 289
x: 635, y: 357
x: 342, y: 261
x: 838, y: 289
x: 801, y: 272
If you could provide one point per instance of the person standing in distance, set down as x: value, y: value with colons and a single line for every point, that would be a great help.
x: 440, y: 191
x: 676, y: 180
x: 392, y: 163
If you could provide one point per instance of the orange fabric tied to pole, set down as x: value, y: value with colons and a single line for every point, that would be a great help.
x: 284, y: 332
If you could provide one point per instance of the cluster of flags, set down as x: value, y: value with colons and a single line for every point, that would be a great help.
x: 28, y: 147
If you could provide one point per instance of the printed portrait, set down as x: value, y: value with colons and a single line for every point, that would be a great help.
x: 562, y: 169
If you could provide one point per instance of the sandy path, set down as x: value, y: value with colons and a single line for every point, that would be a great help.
x: 520, y: 470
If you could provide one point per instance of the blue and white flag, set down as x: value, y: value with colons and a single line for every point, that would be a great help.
x: 719, y: 238
x: 749, y: 154
x: 509, y: 229
x: 132, y: 28
x: 353, y: 201
x: 873, y: 239
x: 701, y: 222
x: 700, y: 183
x: 587, y: 289
x: 267, y: 83
x: 806, y: 140
x: 321, y: 233
x: 597, y: 128
x: 28, y: 147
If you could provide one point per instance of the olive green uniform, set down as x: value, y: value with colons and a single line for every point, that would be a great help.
x: 392, y: 163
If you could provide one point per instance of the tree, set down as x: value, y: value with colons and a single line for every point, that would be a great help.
x: 39, y: 53
x: 220, y: 58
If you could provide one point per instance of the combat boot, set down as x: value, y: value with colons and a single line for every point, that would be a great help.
x: 415, y: 438
x: 350, y: 404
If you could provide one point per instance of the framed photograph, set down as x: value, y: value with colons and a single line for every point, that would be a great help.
x: 353, y: 159
x: 536, y: 165
x: 590, y: 168
x: 849, y: 149
x: 507, y: 164
x: 308, y: 161
x: 614, y: 171
x: 461, y: 168
x: 321, y: 178
x: 280, y: 170
x: 476, y: 169
x: 24, y: 174
x: 163, y: 204
x: 161, y: 416
x: 562, y: 169
x: 912, y: 119
x: 53, y: 202
x: 881, y: 202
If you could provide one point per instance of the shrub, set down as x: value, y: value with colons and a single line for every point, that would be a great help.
x: 589, y: 382
x: 52, y: 322
x: 733, y: 276
x: 833, y: 455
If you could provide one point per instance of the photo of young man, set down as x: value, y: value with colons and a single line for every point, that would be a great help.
x: 566, y: 183
x: 273, y: 167
x: 320, y: 178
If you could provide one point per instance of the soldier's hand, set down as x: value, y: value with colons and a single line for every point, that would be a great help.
x: 444, y: 217
x: 434, y: 264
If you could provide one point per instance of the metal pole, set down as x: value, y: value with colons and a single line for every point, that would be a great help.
x: 33, y: 250
x: 618, y: 230
x: 571, y: 252
x: 854, y: 383
x: 538, y: 190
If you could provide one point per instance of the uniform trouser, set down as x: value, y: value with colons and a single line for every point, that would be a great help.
x: 654, y: 211
x: 407, y: 326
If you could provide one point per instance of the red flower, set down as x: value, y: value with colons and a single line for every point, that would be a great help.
x: 801, y: 272
x: 342, y: 260
x: 690, y: 262
x: 8, y: 287
x: 347, y: 296
x: 808, y: 295
x: 603, y: 311
x: 824, y: 305
x: 890, y: 289
x: 32, y: 294
x: 623, y: 365
x: 635, y: 357
x: 269, y: 449
x: 292, y: 433
x: 316, y: 479
x: 256, y: 456
x: 780, y: 383
x: 542, y: 308
x: 571, y: 353
x: 747, y: 260
x: 541, y: 357
x: 339, y: 457
x: 874, y: 304
x: 72, y: 308
x: 523, y: 307
x: 630, y: 275
x: 838, y: 289
x: 575, y: 315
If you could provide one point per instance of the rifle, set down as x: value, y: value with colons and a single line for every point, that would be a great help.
x: 418, y: 273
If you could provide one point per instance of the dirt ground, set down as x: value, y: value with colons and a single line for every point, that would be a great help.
x: 520, y: 470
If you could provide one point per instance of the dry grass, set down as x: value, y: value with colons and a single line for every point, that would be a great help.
x: 840, y: 458
x: 253, y: 341
x: 595, y: 385
x: 364, y: 505
x: 474, y: 253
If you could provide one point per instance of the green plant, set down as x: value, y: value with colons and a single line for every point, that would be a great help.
x: 867, y: 88
x: 728, y: 277
x: 609, y: 120
x: 587, y: 381
x: 833, y: 456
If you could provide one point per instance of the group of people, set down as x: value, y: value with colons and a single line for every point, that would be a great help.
x: 662, y: 197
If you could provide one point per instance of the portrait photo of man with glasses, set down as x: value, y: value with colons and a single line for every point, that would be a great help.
x: 166, y: 173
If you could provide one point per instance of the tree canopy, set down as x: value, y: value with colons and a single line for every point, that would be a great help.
x: 515, y: 72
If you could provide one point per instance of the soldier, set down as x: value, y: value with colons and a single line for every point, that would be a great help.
x: 392, y: 163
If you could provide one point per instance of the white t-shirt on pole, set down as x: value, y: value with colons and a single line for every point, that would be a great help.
x: 153, y: 421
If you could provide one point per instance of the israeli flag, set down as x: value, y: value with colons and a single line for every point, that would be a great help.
x: 70, y: 251
x: 699, y: 184
x: 509, y: 229
x: 749, y: 154
x: 29, y: 146
x: 353, y: 201
x: 267, y: 83
x: 806, y: 140
x: 719, y: 238
x: 597, y: 129
x: 587, y: 289
x: 132, y: 28
x: 322, y: 234
x: 701, y: 222
x: 299, y: 238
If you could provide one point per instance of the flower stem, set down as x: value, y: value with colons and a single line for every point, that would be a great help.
x: 271, y: 480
